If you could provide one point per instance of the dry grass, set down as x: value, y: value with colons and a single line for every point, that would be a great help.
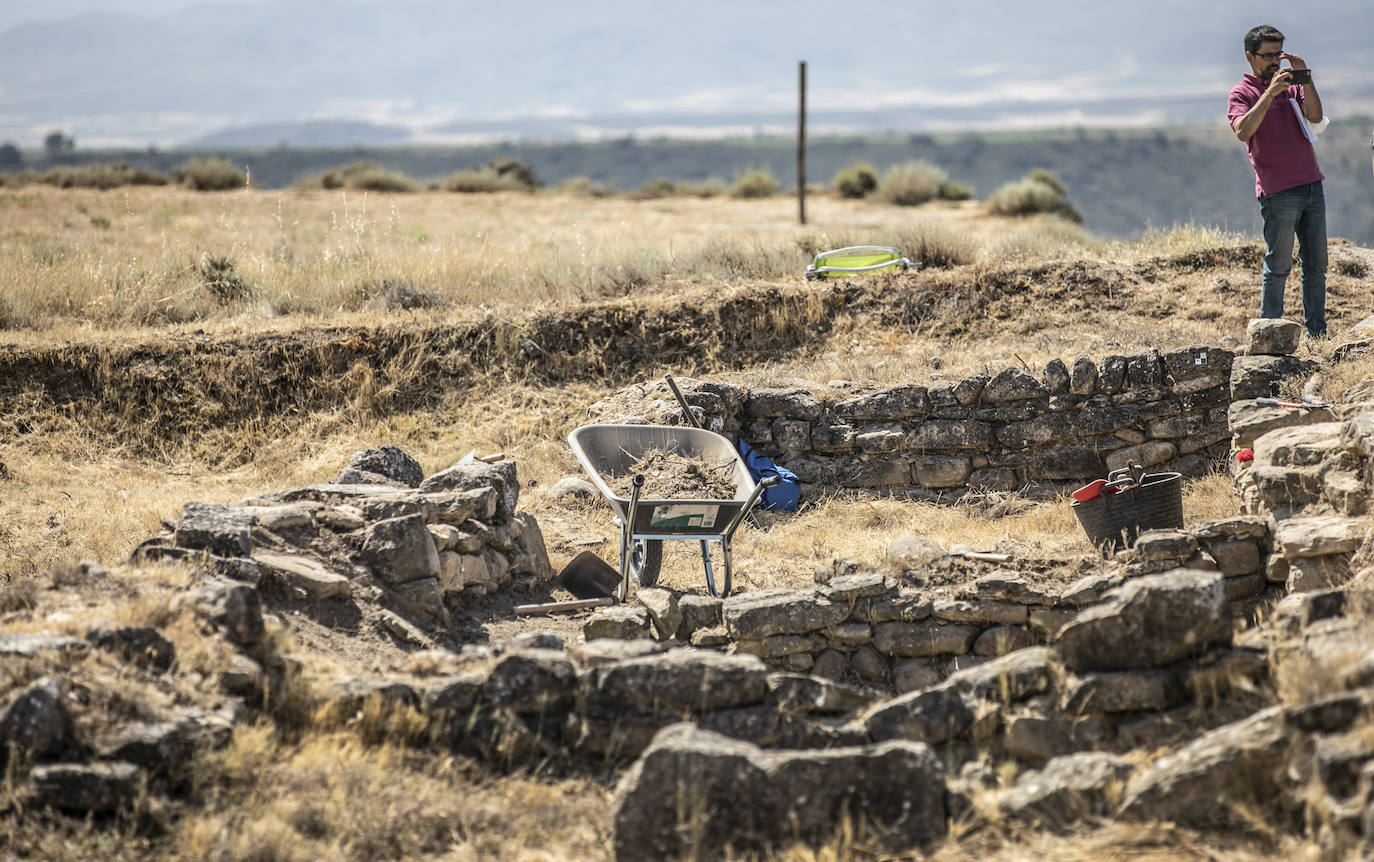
x: 331, y: 797
x: 130, y: 259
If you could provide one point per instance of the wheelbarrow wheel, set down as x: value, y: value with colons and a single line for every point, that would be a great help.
x: 646, y: 558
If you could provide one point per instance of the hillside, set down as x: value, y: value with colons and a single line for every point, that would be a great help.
x: 1125, y: 181
x: 223, y: 633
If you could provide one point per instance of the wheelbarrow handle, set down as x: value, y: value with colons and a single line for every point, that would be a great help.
x: 766, y: 483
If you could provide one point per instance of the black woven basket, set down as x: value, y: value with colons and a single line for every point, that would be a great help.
x: 1156, y: 503
x: 1114, y: 520
x: 1099, y: 523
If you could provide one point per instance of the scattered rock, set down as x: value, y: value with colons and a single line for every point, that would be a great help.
x: 621, y: 622
x: 1272, y: 337
x: 308, y: 575
x: 222, y: 530
x: 1149, y: 621
x: 694, y: 791
x: 389, y: 462
x: 1209, y: 782
x: 234, y: 609
x: 574, y: 488
x: 400, y: 550
x: 1067, y: 790
x: 36, y: 724
x: 140, y: 645
x: 88, y: 788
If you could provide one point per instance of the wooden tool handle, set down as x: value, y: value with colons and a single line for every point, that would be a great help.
x: 557, y: 607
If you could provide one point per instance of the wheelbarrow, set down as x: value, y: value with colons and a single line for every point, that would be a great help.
x: 611, y: 451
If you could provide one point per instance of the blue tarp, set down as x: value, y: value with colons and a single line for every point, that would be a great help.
x: 782, y: 497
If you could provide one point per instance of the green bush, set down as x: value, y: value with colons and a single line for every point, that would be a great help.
x: 856, y: 181
x: 516, y: 171
x: 755, y: 183
x: 911, y: 184
x: 363, y: 176
x: 210, y: 174
x: 499, y: 175
x: 952, y: 190
x: 1044, y: 175
x: 1039, y: 192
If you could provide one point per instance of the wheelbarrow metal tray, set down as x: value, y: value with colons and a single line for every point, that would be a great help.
x: 611, y: 451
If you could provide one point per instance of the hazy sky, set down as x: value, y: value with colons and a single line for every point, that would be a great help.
x: 434, y: 68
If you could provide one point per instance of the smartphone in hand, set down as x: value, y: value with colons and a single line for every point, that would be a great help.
x: 1300, y: 76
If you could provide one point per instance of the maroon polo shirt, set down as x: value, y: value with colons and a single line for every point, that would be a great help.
x: 1279, y: 152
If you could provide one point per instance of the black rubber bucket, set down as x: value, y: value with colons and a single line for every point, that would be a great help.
x: 1098, y: 523
x: 1114, y: 520
x: 1156, y: 503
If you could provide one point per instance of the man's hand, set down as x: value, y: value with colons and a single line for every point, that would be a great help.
x: 1282, y: 80
x: 1294, y: 60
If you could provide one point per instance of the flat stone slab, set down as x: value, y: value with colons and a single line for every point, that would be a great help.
x: 306, y: 574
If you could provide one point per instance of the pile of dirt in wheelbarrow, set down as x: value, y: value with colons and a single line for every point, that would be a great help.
x: 672, y: 476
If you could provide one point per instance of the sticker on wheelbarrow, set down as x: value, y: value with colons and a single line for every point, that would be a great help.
x: 684, y: 515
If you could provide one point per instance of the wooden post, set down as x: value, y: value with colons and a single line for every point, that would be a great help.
x: 801, y: 141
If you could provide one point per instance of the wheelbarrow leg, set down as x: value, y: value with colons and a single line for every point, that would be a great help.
x: 710, y: 574
x: 627, y: 539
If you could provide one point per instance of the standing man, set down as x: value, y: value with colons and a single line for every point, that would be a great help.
x: 1266, y: 110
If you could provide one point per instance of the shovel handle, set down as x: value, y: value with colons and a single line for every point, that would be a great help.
x: 687, y: 415
x: 564, y: 607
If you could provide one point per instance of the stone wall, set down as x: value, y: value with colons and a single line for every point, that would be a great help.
x: 870, y: 630
x: 1004, y: 430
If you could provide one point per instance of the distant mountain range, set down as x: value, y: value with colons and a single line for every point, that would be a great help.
x: 371, y: 72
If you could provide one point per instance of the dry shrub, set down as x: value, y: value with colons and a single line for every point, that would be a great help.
x: 911, y: 184
x: 709, y: 188
x: 362, y: 176
x: 755, y: 183
x: 210, y: 174
x: 101, y: 177
x: 726, y: 258
x: 479, y: 180
x: 856, y: 181
x: 330, y: 796
x: 583, y: 187
x: 1040, y: 192
x: 936, y: 245
x: 653, y: 190
x: 1047, y: 238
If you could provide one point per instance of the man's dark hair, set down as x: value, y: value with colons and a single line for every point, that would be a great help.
x: 1260, y: 35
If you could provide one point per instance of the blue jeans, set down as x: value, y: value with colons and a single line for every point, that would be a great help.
x: 1300, y: 212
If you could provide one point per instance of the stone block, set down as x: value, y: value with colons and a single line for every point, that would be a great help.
x: 1272, y: 337
x: 1012, y: 384
x: 900, y: 402
x: 913, y: 640
x: 1083, y: 377
x: 942, y: 471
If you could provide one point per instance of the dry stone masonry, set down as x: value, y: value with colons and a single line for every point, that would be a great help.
x: 380, y: 532
x: 1001, y: 431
